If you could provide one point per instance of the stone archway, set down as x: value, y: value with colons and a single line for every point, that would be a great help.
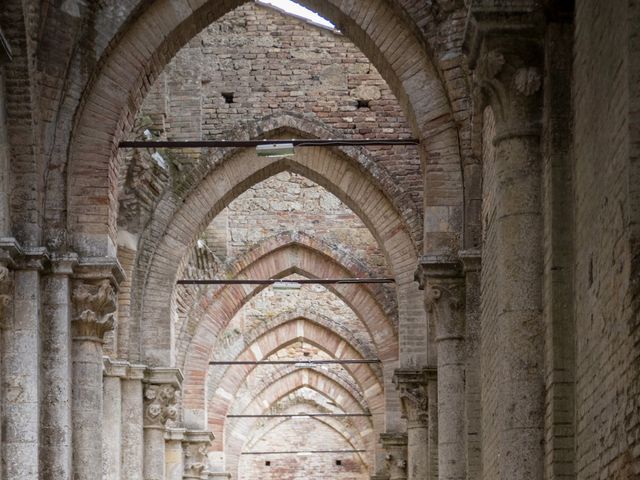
x: 142, y: 50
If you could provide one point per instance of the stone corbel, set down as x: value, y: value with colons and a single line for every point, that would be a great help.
x: 196, y: 446
x: 161, y: 396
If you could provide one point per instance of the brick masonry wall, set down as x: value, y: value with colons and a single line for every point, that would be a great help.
x: 607, y: 393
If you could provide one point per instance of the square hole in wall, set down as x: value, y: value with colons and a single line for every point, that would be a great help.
x: 267, y: 463
x: 338, y: 463
x: 228, y: 97
x: 362, y: 103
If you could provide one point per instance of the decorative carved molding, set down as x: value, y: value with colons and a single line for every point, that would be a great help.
x: 94, y: 305
x: 160, y: 404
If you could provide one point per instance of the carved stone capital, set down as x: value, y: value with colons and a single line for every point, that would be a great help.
x: 444, y: 289
x: 504, y: 44
x: 93, y: 306
x: 160, y: 405
x: 412, y: 386
x: 395, y: 445
x: 195, y: 446
x: 161, y: 396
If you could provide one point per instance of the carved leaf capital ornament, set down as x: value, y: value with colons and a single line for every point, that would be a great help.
x: 94, y: 305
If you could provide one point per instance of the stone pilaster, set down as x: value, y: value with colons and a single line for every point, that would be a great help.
x: 132, y: 423
x: 196, y: 446
x: 94, y: 303
x: 114, y: 372
x: 161, y: 397
x: 412, y: 385
x: 395, y: 446
x: 506, y: 56
x: 444, y: 293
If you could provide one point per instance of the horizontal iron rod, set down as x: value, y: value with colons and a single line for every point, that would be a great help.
x: 294, y: 362
x: 269, y: 281
x: 255, y: 143
x: 287, y: 415
x: 305, y: 451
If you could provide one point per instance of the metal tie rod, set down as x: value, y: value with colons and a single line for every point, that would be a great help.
x: 254, y: 143
x: 289, y: 415
x: 295, y: 362
x: 270, y: 281
x: 308, y: 452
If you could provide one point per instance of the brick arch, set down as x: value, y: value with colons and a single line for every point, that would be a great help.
x: 348, y: 265
x: 364, y: 346
x: 218, y: 310
x: 159, y: 29
x: 284, y: 386
x: 314, y: 407
x: 291, y: 125
x: 278, y: 338
x: 226, y: 182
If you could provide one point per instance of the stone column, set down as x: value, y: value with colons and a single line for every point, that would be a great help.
x: 506, y: 55
x: 55, y: 438
x: 94, y: 303
x: 161, y: 394
x: 395, y: 444
x: 473, y: 408
x: 412, y: 384
x: 21, y: 395
x: 196, y: 445
x: 174, y: 455
x: 432, y: 408
x: 132, y: 423
x: 444, y: 291
x: 114, y: 372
